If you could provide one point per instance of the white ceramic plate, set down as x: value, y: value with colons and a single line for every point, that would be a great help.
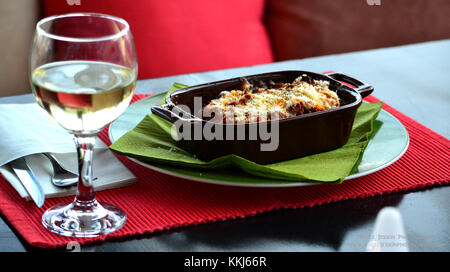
x: 387, y: 146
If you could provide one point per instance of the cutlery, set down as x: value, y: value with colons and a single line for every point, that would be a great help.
x: 26, y: 176
x: 61, y: 177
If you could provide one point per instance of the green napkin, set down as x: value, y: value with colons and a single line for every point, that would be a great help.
x: 150, y: 141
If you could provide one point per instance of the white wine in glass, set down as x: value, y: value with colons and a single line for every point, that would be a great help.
x: 83, y: 73
x: 83, y: 95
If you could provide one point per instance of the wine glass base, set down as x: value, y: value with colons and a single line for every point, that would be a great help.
x: 75, y: 220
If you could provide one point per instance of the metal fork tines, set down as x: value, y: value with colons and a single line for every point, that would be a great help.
x: 61, y: 177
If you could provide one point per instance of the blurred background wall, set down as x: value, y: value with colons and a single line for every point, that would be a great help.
x: 17, y: 21
x: 233, y: 33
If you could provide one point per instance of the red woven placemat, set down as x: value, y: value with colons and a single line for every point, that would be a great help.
x: 160, y: 202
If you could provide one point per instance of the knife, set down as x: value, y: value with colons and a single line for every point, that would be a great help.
x: 28, y: 180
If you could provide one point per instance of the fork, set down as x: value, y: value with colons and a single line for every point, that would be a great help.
x: 61, y: 177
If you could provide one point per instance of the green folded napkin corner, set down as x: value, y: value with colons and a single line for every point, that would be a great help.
x: 150, y: 141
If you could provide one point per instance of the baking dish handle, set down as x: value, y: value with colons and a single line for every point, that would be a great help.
x: 362, y: 88
x: 165, y: 111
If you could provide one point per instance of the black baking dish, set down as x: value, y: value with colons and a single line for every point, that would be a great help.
x: 298, y: 136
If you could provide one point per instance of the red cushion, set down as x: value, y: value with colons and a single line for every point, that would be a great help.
x: 184, y: 36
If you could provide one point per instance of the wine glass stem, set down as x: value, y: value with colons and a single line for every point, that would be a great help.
x: 85, y: 149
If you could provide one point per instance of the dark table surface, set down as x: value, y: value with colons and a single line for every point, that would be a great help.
x: 414, y: 79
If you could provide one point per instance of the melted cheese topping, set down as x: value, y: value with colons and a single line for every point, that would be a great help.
x: 260, y: 104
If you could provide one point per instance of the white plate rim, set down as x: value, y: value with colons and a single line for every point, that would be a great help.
x: 285, y: 184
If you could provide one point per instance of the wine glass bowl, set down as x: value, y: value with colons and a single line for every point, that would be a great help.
x: 83, y: 71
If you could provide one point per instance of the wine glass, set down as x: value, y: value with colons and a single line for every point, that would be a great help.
x: 83, y: 73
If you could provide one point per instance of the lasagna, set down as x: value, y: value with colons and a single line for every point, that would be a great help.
x: 262, y: 102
